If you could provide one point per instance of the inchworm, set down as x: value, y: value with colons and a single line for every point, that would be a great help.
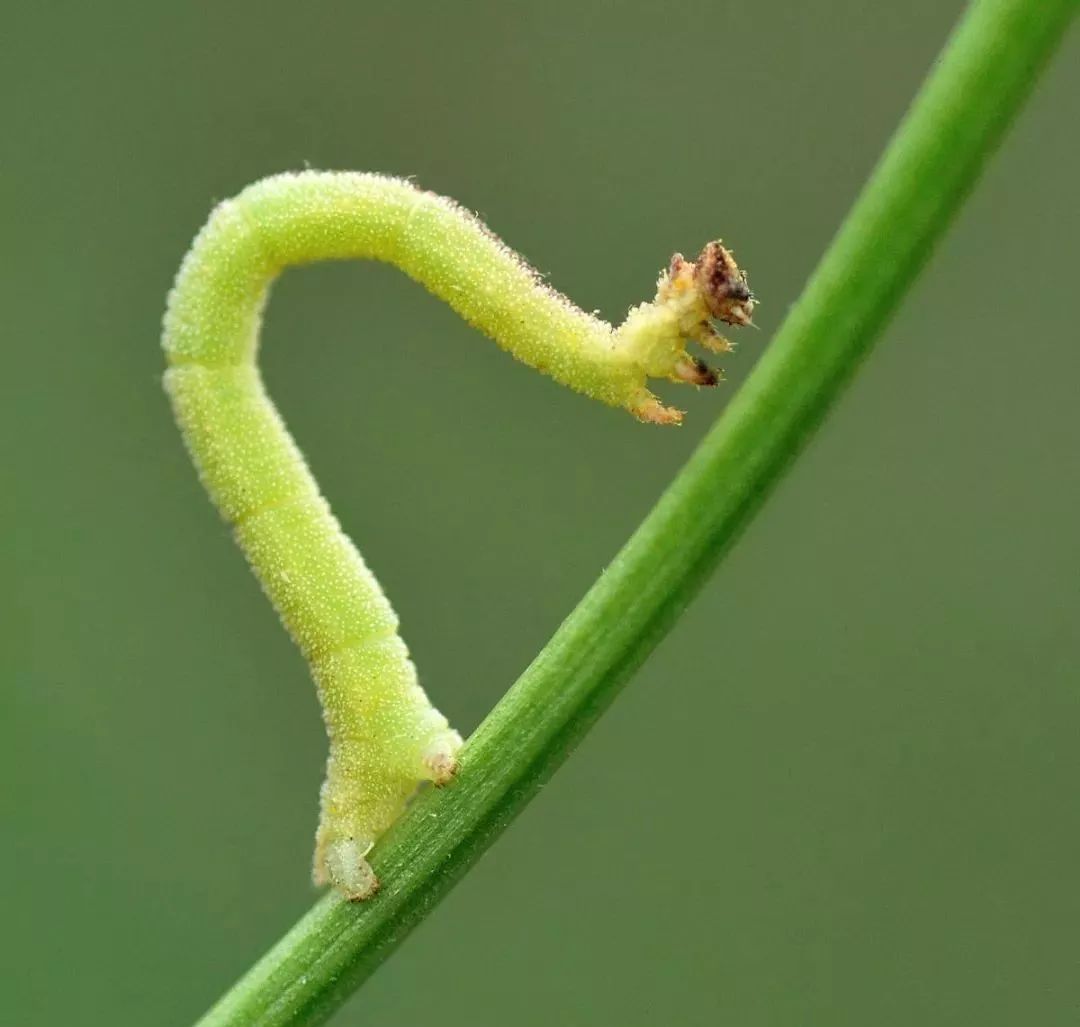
x: 385, y: 736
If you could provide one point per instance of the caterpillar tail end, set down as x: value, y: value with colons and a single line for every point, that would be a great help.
x: 343, y: 843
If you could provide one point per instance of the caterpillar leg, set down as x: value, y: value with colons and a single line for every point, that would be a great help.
x: 440, y: 759
x: 345, y: 867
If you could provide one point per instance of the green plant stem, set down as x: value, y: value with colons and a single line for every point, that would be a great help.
x: 981, y: 80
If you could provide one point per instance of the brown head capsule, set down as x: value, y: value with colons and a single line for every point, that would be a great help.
x: 723, y: 286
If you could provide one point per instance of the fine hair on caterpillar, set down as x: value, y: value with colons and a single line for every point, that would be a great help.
x: 385, y: 736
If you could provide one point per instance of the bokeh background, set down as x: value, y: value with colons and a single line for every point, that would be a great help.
x: 842, y: 793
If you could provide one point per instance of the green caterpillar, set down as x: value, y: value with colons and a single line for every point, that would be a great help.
x: 385, y: 736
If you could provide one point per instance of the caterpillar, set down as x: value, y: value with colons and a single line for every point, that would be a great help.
x: 385, y: 737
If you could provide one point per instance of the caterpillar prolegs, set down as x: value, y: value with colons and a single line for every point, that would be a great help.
x: 385, y: 736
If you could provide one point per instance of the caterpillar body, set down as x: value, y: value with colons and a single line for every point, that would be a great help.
x: 385, y: 736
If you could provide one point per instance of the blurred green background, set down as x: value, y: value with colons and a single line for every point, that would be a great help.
x: 842, y: 793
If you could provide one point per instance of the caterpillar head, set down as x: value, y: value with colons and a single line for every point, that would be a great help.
x: 690, y: 295
x: 722, y: 285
